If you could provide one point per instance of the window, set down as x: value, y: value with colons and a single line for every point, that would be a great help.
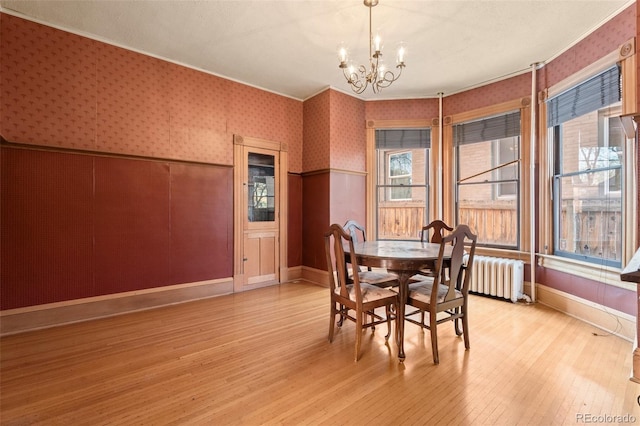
x: 400, y: 176
x: 401, y: 182
x: 588, y: 160
x: 488, y: 178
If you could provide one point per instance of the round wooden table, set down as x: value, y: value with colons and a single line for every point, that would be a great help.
x: 404, y: 258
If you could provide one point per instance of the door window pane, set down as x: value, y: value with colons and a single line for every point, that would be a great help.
x: 261, y: 188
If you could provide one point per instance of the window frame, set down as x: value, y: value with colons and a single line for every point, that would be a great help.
x: 559, y: 174
x: 449, y: 166
x: 371, y: 186
x: 493, y: 182
x: 600, y: 272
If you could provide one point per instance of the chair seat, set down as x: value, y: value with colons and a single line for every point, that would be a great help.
x: 377, y: 278
x: 421, y: 291
x: 370, y: 292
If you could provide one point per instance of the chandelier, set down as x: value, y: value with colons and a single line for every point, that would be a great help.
x: 375, y: 74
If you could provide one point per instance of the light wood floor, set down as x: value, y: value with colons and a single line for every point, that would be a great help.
x: 262, y: 357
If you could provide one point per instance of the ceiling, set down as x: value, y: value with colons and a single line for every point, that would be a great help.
x: 290, y: 47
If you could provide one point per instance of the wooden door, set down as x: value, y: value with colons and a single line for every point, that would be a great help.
x: 261, y: 217
x: 260, y: 194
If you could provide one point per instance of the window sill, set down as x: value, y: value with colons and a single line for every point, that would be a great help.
x: 601, y: 273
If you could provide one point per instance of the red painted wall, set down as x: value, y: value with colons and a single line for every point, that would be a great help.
x: 315, y: 213
x: 294, y: 227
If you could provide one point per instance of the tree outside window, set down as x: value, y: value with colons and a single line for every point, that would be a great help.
x: 400, y: 169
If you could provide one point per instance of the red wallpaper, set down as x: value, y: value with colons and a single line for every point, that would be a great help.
x: 601, y: 42
x: 491, y: 94
x: 60, y: 89
x: 410, y: 109
x: 317, y: 133
x: 347, y: 132
x: 133, y: 99
x: 260, y: 114
x: 48, y: 81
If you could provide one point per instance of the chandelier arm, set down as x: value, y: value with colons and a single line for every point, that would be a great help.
x: 357, y: 83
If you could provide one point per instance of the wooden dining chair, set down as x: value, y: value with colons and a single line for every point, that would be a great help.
x: 355, y: 300
x: 446, y: 293
x: 367, y: 275
x: 439, y: 228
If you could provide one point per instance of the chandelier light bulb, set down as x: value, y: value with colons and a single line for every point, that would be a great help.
x: 342, y: 54
x: 402, y: 50
x: 377, y: 43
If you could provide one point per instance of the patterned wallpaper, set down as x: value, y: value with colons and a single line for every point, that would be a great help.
x: 317, y: 143
x: 347, y: 132
x: 408, y: 109
x: 61, y: 89
x: 601, y: 42
x: 49, y: 85
x: 491, y: 94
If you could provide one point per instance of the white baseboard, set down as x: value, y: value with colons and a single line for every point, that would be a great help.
x: 607, y: 319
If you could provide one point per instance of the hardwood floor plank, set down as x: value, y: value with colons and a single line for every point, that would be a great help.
x: 262, y: 357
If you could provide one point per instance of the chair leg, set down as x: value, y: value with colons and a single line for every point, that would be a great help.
x: 433, y: 324
x: 332, y: 320
x: 465, y: 327
x: 359, y: 320
x: 388, y: 312
x: 456, y: 324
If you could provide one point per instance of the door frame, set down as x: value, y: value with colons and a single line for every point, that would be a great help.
x: 239, y: 144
